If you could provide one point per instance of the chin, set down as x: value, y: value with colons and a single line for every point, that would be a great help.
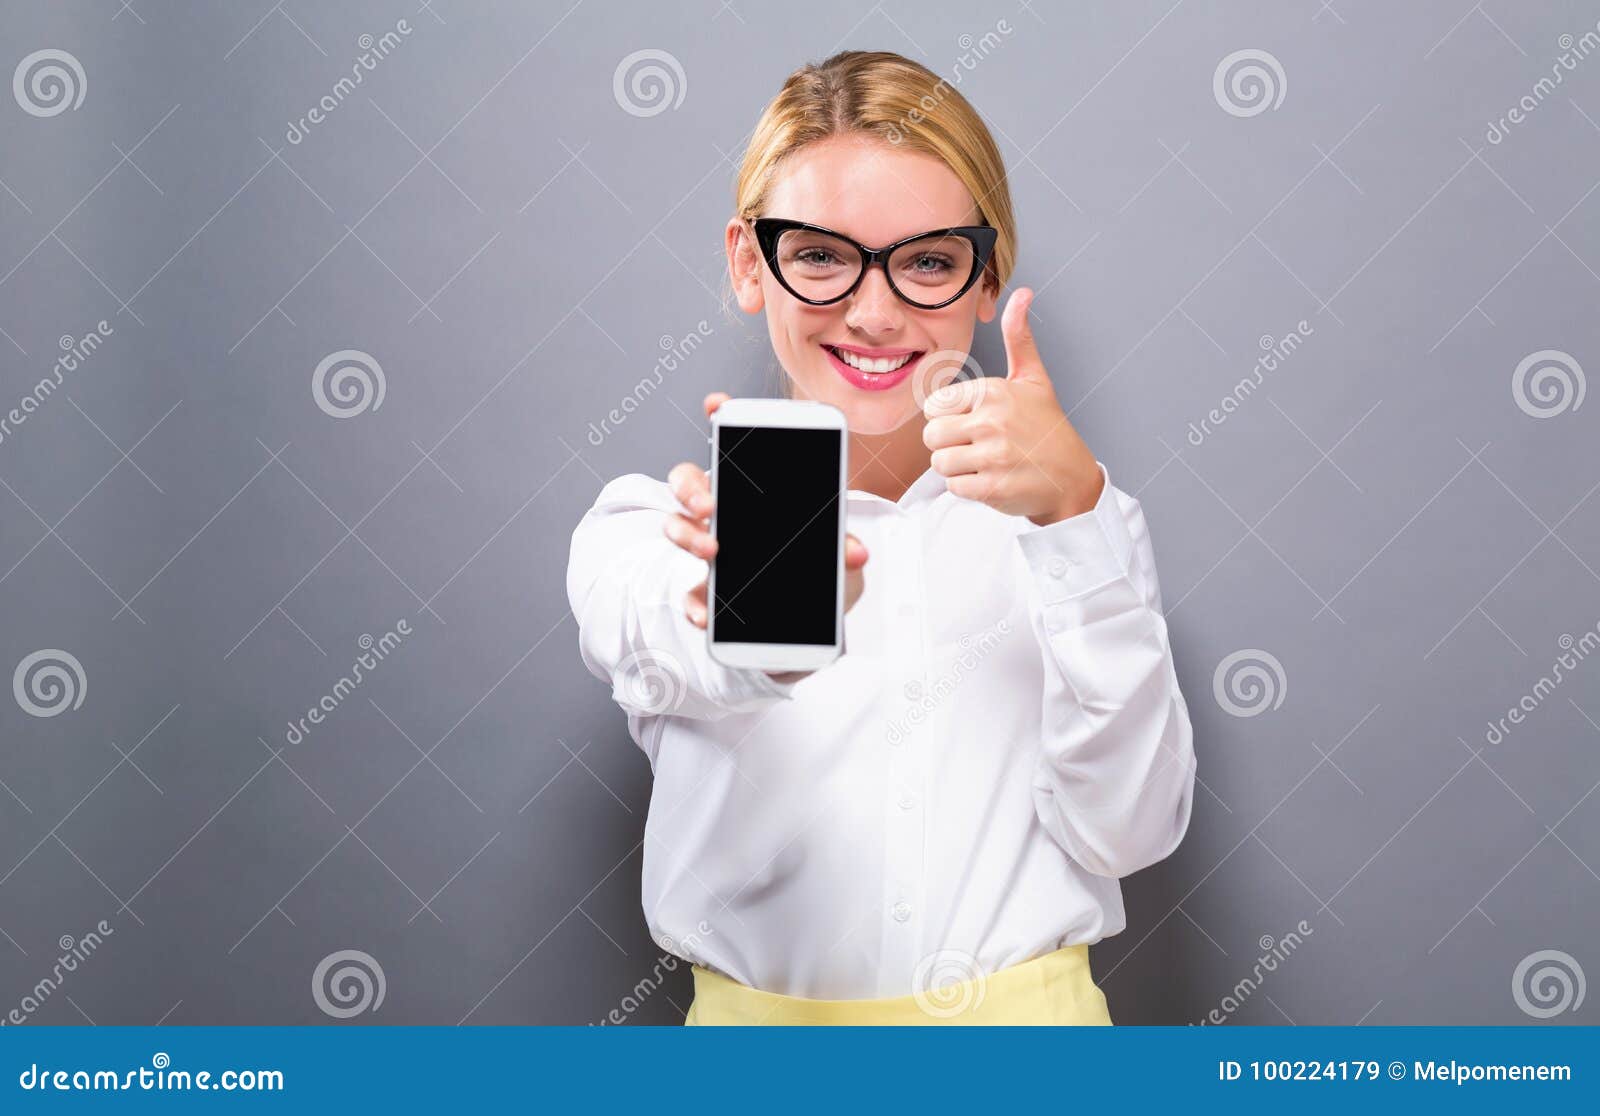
x: 879, y: 415
x: 866, y: 412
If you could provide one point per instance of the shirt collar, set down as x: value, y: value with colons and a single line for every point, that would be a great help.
x: 923, y: 490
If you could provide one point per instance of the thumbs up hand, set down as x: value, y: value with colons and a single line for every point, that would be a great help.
x: 1007, y: 443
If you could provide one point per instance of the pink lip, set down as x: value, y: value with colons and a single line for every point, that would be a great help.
x: 873, y: 354
x: 873, y: 381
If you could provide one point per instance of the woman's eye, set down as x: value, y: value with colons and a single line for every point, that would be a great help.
x: 815, y: 256
x: 930, y: 265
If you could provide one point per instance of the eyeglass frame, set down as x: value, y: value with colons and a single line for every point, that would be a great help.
x: 769, y: 230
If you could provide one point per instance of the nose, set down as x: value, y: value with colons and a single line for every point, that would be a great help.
x: 874, y: 309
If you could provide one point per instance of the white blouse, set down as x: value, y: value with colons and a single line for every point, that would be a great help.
x: 1002, y: 739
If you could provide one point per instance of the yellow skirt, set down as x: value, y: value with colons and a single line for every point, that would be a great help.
x: 1053, y: 990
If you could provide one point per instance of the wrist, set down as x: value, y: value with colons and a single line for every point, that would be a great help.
x: 1074, y: 501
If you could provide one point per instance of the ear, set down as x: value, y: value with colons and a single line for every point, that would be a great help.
x: 744, y: 266
x: 988, y: 298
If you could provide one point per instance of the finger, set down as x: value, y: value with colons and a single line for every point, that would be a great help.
x: 691, y: 536
x: 694, y: 605
x: 715, y: 400
x: 855, y: 553
x: 947, y: 430
x: 953, y: 399
x: 854, y: 585
x: 692, y: 487
x: 955, y: 461
x: 1022, y: 354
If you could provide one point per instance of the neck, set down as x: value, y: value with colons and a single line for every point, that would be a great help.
x: 887, y: 464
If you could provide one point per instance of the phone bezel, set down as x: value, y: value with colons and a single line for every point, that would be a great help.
x: 791, y: 414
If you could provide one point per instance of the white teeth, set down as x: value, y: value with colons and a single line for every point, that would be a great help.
x: 865, y: 364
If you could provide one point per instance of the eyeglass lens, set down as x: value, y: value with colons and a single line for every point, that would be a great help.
x: 929, y: 270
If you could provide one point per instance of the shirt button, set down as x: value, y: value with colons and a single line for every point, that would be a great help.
x: 907, y: 802
x: 1059, y: 566
x: 902, y: 912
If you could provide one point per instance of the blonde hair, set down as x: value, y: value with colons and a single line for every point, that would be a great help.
x: 881, y: 94
x: 895, y: 99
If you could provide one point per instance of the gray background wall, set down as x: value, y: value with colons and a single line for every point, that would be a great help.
x: 487, y: 220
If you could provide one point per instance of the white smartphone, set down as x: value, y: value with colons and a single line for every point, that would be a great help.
x: 776, y: 587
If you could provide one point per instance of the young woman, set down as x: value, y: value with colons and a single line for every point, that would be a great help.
x: 931, y: 828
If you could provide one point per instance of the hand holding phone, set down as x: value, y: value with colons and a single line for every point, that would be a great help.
x: 691, y: 530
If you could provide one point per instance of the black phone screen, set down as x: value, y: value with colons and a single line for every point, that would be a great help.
x: 777, y: 535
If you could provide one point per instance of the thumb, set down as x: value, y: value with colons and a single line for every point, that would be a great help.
x: 1022, y: 355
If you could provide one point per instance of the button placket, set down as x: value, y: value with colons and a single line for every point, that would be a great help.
x: 904, y: 791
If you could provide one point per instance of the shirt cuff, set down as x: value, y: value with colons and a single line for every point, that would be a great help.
x: 1078, y: 555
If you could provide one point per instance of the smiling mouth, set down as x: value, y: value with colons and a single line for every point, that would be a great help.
x: 872, y: 366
